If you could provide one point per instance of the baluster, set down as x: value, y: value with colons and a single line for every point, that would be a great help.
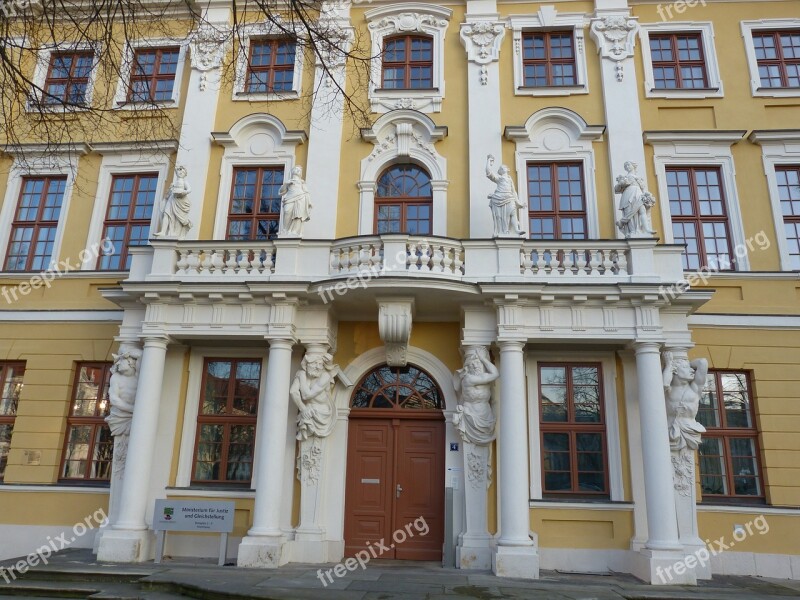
x: 594, y: 263
x: 375, y: 261
x: 622, y: 263
x: 427, y: 257
x: 411, y: 256
x: 364, y: 254
x: 447, y: 260
x: 458, y: 261
x: 335, y: 263
x: 269, y: 260
x: 244, y: 262
x: 437, y: 258
x: 608, y: 264
x: 230, y: 262
x: 194, y: 262
x: 257, y: 265
x: 581, y: 262
x: 526, y: 262
x: 182, y: 262
x: 541, y: 263
x: 568, y: 262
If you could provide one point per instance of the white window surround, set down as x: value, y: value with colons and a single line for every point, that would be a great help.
x: 40, y: 77
x: 549, y: 19
x: 394, y: 19
x: 39, y: 161
x: 403, y: 136
x: 124, y: 159
x: 748, y: 27
x: 554, y: 135
x: 257, y: 140
x: 613, y: 449
x: 700, y: 149
x: 706, y: 31
x: 778, y: 148
x: 121, y: 96
x: 192, y: 406
x: 246, y: 35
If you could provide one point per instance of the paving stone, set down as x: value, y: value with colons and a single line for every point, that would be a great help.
x: 400, y: 587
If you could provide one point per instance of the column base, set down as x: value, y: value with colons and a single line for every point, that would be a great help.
x: 474, y: 551
x: 516, y: 561
x: 262, y: 552
x: 124, y: 546
x: 663, y: 567
x: 697, y: 554
x: 314, y: 552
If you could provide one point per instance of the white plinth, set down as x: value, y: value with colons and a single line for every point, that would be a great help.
x: 663, y: 567
x: 314, y: 551
x: 521, y: 562
x: 124, y: 546
x: 474, y: 554
x: 262, y: 553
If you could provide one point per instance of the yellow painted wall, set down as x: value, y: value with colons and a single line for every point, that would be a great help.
x: 569, y: 528
x: 50, y: 507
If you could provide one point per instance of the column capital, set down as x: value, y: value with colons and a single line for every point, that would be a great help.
x: 511, y: 345
x: 280, y: 343
x: 646, y: 347
x: 157, y: 340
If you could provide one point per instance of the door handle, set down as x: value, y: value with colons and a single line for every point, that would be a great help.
x: 399, y: 490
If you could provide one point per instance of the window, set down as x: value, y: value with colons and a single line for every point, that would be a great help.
x: 788, y: 178
x: 408, y: 62
x: 270, y: 66
x: 404, y: 201
x: 226, y: 423
x: 778, y: 58
x: 255, y: 208
x: 67, y: 80
x: 89, y: 447
x: 729, y: 464
x: 401, y: 388
x: 153, y: 74
x: 33, y: 230
x: 699, y: 218
x: 556, y: 201
x: 572, y: 429
x: 548, y: 59
x: 11, y: 374
x: 130, y: 210
x: 678, y: 61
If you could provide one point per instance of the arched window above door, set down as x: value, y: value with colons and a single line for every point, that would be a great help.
x: 402, y: 388
x: 404, y: 201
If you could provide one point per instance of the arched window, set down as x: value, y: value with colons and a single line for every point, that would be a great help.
x: 407, y: 62
x: 404, y: 201
x: 398, y: 388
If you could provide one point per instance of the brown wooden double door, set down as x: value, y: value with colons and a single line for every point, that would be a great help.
x: 395, y: 475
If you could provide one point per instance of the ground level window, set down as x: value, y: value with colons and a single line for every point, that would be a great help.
x: 11, y: 374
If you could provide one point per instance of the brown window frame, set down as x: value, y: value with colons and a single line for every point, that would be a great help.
x: 408, y: 63
x: 272, y: 67
x: 256, y: 215
x: 572, y: 428
x: 556, y: 213
x: 68, y: 82
x: 155, y: 77
x: 403, y: 201
x: 793, y: 219
x: 97, y: 422
x: 548, y: 61
x: 5, y: 367
x: 780, y: 61
x: 227, y: 421
x: 676, y: 61
x: 725, y: 433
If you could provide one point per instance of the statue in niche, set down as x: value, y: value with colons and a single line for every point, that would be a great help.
x: 175, y: 221
x: 504, y: 201
x: 635, y: 204
x: 474, y: 419
x: 683, y: 389
x: 312, y: 393
x: 295, y: 204
x: 122, y: 390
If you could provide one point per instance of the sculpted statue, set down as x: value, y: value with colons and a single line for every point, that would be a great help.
x: 295, y: 204
x: 474, y: 418
x: 122, y: 390
x: 504, y: 201
x: 312, y: 392
x: 683, y: 388
x: 175, y: 221
x: 635, y: 204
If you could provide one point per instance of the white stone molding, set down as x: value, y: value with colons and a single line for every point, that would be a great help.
x: 558, y: 134
x: 258, y: 139
x: 395, y: 318
x: 700, y: 149
x: 748, y: 27
x: 43, y: 54
x: 482, y: 39
x: 781, y: 147
x: 548, y: 18
x: 208, y: 45
x: 392, y: 19
x: 126, y: 66
x: 249, y: 33
x: 711, y: 65
x: 615, y: 36
x: 403, y: 135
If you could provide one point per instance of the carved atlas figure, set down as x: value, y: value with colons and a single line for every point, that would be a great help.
x: 312, y: 393
x: 683, y: 389
x: 474, y: 419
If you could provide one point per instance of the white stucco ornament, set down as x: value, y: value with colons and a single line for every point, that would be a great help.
x: 615, y: 36
x: 175, y: 208
x: 474, y: 418
x: 295, y: 204
x: 482, y: 40
x: 122, y: 389
x: 207, y: 47
x: 312, y: 393
x: 504, y: 201
x: 635, y: 204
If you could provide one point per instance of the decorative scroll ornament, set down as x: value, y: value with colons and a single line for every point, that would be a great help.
x: 615, y: 36
x: 309, y: 461
x: 482, y: 41
x: 207, y: 47
x: 683, y: 476
x: 409, y: 22
x: 394, y: 326
x: 479, y: 472
x: 635, y: 204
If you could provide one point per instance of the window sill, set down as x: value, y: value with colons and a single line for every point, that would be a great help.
x: 556, y: 90
x: 406, y: 91
x: 776, y: 92
x: 211, y: 492
x: 581, y: 504
x: 146, y: 106
x: 73, y: 483
x: 265, y: 96
x: 61, y: 487
x: 55, y: 109
x: 684, y: 93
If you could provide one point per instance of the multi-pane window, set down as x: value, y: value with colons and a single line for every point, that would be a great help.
x: 729, y: 464
x: 778, y: 58
x: 226, y: 422
x: 67, y: 80
x: 678, y: 61
x: 153, y: 74
x: 573, y: 430
x: 88, y: 446
x: 548, y: 59
x: 130, y: 209
x: 404, y: 201
x: 788, y: 178
x: 11, y: 374
x: 407, y: 63
x: 270, y: 66
x: 33, y: 230
x: 255, y: 208
x: 699, y: 217
x: 556, y: 201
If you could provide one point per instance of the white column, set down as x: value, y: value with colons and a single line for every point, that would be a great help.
x: 515, y: 555
x: 128, y: 541
x: 263, y: 546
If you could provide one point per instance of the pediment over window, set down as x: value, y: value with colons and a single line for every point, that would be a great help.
x: 555, y: 129
x: 259, y: 134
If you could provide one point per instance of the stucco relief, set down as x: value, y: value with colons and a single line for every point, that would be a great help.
x: 615, y: 36
x: 482, y: 40
x: 207, y: 48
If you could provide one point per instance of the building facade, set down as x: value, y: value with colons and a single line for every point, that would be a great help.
x: 596, y: 347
